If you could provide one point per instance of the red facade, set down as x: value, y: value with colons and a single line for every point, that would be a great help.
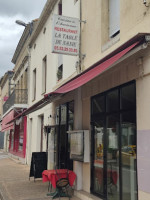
x: 17, y: 144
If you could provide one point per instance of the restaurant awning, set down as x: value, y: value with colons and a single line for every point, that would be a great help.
x: 43, y: 102
x: 89, y: 74
x: 6, y: 119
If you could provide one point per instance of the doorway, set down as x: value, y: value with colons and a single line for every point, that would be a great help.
x: 64, y: 123
x: 41, y: 131
x: 113, y: 123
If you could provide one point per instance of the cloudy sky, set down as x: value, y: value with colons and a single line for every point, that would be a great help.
x: 10, y: 32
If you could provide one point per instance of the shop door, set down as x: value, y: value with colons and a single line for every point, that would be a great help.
x: 97, y: 171
x: 62, y: 147
x: 113, y: 123
x: 98, y: 167
x: 65, y: 120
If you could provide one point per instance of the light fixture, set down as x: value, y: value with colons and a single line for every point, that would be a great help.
x: 21, y: 23
x: 145, y: 3
x: 25, y: 25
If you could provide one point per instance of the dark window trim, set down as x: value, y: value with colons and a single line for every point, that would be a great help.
x: 106, y: 114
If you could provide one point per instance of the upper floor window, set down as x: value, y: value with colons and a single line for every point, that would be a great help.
x: 60, y: 67
x: 34, y: 85
x: 21, y: 82
x: 44, y: 72
x: 60, y: 72
x: 26, y: 79
x: 114, y: 18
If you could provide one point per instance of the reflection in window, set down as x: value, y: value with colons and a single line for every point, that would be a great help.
x: 113, y: 157
x: 63, y: 114
x: 128, y: 97
x: 70, y: 115
x: 128, y: 154
x: 98, y: 184
x: 112, y: 101
x: 98, y: 105
x: 60, y: 72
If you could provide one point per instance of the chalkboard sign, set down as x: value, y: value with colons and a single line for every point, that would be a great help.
x: 38, y: 164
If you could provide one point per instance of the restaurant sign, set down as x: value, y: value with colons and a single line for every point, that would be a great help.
x: 65, y: 35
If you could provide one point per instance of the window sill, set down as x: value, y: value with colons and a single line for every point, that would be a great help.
x: 111, y: 42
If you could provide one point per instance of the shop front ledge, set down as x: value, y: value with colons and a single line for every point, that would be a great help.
x: 17, y: 159
x: 85, y: 195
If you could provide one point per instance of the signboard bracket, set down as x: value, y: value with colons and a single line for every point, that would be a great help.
x: 84, y: 21
x: 83, y: 56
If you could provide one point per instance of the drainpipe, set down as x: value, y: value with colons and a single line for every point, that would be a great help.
x: 27, y: 151
x: 80, y: 54
x: 78, y: 166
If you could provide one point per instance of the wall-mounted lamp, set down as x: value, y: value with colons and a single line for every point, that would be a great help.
x: 145, y: 3
x: 19, y: 22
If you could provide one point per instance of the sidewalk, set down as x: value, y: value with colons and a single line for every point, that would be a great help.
x: 15, y: 184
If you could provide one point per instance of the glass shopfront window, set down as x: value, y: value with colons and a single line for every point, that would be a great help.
x: 113, y: 156
x: 113, y: 120
x: 98, y: 165
x: 12, y: 139
x: 21, y: 134
x: 128, y: 154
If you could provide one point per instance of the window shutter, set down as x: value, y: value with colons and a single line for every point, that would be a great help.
x: 114, y: 17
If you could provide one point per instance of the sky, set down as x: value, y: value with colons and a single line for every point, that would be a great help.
x: 10, y: 32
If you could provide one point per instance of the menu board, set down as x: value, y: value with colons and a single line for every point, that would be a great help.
x: 38, y: 164
x: 76, y: 145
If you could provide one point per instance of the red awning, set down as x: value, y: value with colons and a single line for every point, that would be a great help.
x: 92, y: 73
x: 83, y: 78
x: 6, y: 119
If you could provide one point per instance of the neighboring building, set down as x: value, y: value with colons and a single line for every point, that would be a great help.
x: 17, y: 101
x: 47, y: 72
x: 6, y: 87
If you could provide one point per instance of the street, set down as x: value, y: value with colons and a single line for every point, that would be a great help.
x: 15, y: 184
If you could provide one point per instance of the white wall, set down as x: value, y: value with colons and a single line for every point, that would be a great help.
x: 40, y: 49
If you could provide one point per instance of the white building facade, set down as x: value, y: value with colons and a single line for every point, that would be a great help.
x: 48, y: 71
x: 109, y: 99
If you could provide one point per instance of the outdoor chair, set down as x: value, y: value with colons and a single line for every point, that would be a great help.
x: 62, y: 185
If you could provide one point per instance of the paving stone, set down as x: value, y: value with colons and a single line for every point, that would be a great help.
x: 15, y: 184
